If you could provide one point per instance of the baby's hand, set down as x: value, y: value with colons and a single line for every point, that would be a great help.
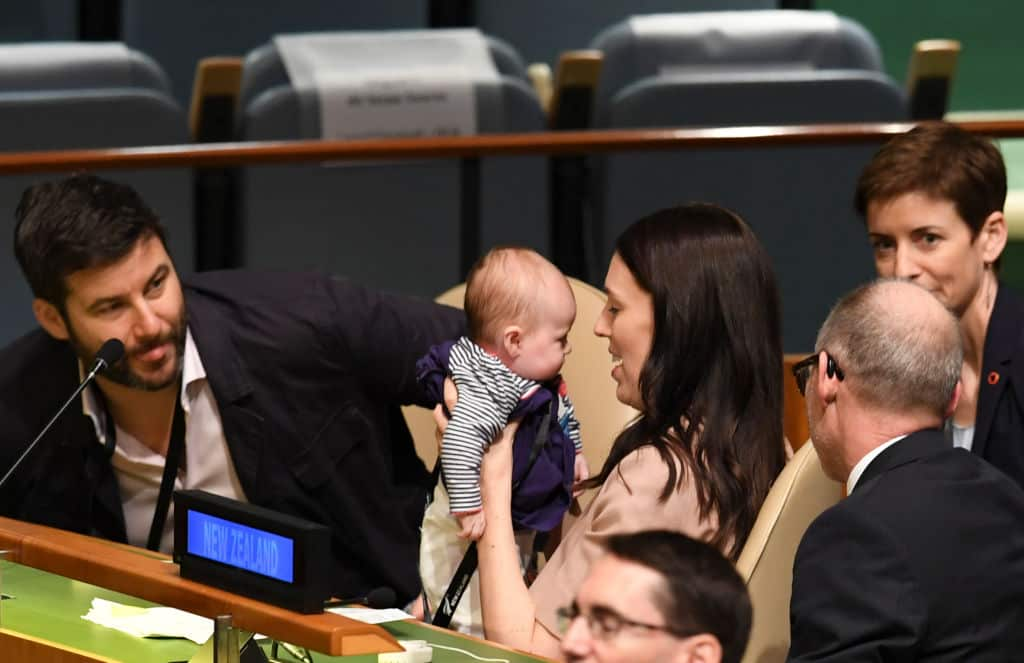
x: 472, y: 525
x: 580, y: 472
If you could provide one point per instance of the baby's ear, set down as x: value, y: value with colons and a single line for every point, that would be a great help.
x: 511, y: 340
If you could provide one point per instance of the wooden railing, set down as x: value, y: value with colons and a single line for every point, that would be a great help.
x: 468, y: 150
x: 543, y: 143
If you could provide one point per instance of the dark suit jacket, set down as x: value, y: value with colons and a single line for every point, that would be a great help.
x: 308, y: 373
x: 999, y: 422
x: 924, y: 561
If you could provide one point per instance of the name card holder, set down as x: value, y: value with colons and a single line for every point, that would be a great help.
x: 249, y: 550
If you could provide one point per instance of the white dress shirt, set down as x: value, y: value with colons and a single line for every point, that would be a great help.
x: 206, y: 463
x: 862, y: 464
x: 963, y: 436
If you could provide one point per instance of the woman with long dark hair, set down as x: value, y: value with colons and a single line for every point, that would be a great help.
x: 692, y: 322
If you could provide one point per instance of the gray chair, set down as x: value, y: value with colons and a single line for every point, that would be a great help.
x: 652, y: 46
x: 178, y: 34
x: 797, y: 199
x: 69, y: 66
x: 542, y: 29
x: 82, y: 96
x: 396, y: 224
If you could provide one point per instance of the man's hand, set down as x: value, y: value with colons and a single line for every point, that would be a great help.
x: 451, y: 397
x: 473, y: 525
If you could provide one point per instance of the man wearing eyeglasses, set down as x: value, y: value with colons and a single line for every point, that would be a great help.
x: 658, y: 596
x: 924, y: 561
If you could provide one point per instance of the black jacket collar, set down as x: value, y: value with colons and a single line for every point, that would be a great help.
x: 915, y: 446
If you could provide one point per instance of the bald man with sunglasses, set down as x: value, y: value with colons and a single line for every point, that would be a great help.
x: 924, y: 561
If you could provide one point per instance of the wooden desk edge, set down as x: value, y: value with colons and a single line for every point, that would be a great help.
x: 18, y: 648
x: 153, y: 578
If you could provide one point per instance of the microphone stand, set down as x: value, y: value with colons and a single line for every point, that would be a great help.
x: 98, y: 366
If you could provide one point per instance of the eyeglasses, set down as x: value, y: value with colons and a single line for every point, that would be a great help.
x: 802, y: 370
x: 605, y: 623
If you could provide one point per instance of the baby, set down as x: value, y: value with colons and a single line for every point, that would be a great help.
x: 519, y: 309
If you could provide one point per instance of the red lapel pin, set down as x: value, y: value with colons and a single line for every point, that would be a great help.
x: 993, y: 378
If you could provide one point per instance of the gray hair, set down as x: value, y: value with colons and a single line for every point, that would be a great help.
x: 898, y: 347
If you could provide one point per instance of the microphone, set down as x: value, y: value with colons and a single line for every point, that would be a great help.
x: 378, y: 598
x: 109, y: 353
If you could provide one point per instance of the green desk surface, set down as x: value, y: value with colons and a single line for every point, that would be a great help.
x: 410, y: 630
x: 50, y: 607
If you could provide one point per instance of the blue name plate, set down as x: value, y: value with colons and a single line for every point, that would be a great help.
x: 251, y: 550
x: 240, y: 546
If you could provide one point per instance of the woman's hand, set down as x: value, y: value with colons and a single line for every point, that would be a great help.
x: 496, y: 469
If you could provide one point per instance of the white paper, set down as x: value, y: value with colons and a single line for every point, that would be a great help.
x: 150, y: 622
x: 29, y: 55
x: 726, y: 25
x: 370, y: 616
x: 406, y: 83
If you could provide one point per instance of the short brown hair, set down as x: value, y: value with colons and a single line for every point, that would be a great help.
x: 502, y: 287
x: 942, y: 161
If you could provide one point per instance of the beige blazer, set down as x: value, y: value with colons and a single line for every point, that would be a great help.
x: 627, y: 502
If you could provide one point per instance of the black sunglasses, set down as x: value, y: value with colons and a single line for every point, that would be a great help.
x: 802, y: 370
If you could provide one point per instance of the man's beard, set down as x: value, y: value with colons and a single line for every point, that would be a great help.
x: 122, y: 374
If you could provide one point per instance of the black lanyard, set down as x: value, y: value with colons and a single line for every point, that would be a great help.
x: 175, y: 449
x: 466, y: 568
x: 174, y: 453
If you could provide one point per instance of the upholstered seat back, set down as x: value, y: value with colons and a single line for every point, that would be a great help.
x: 801, y: 492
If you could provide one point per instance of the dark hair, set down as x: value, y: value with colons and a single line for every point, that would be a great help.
x: 942, y: 161
x: 703, y: 592
x: 711, y: 386
x: 76, y: 223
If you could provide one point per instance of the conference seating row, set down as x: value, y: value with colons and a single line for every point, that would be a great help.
x: 398, y: 225
x: 178, y: 34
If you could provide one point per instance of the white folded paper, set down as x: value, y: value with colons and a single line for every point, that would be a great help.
x: 150, y: 622
x: 369, y: 616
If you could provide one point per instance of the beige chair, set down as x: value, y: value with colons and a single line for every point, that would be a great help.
x: 801, y: 492
x: 587, y: 373
x: 214, y: 95
x: 572, y: 94
x: 930, y: 77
